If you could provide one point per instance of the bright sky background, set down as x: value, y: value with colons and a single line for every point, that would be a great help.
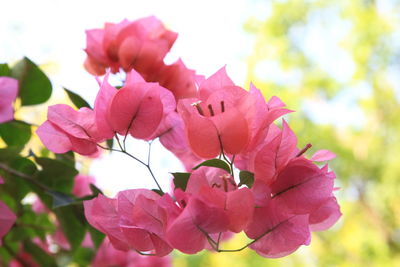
x: 53, y: 32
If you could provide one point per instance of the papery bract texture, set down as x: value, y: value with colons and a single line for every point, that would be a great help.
x: 277, y: 233
x: 139, y: 45
x: 68, y: 129
x: 217, y: 120
x: 7, y: 219
x: 8, y: 94
x: 133, y: 220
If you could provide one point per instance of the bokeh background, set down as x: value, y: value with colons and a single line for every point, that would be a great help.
x: 336, y: 62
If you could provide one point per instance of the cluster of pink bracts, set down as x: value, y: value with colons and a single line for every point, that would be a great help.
x: 196, y: 119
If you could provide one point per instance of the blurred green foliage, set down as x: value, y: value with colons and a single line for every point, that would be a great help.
x: 339, y: 61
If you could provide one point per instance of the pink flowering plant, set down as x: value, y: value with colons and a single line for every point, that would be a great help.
x: 244, y: 171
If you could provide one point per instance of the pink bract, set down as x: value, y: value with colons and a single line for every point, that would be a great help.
x: 8, y: 94
x: 7, y: 219
x: 133, y: 220
x: 216, y: 121
x: 67, y: 129
x: 139, y: 45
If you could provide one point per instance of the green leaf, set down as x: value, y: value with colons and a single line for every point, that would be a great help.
x: 110, y: 143
x: 83, y: 256
x: 9, y: 153
x: 217, y: 163
x: 246, y: 178
x: 34, y: 86
x: 68, y: 158
x: 60, y: 199
x: 96, y: 235
x: 17, y: 186
x: 158, y: 191
x: 38, y: 254
x: 78, y: 101
x: 181, y: 179
x: 15, y: 133
x: 73, y: 223
x: 56, y: 174
x: 5, y: 70
x: 95, y: 190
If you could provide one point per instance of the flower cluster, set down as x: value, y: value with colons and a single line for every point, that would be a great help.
x: 244, y: 172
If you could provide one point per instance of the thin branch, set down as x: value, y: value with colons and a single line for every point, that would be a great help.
x: 24, y: 176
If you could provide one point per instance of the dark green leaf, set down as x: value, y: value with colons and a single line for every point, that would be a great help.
x: 95, y: 190
x: 34, y: 86
x: 56, y: 174
x: 68, y: 158
x: 158, y: 191
x: 73, y: 223
x: 83, y: 256
x: 15, y: 133
x: 181, y: 179
x: 19, y: 186
x: 38, y: 254
x: 246, y: 178
x: 78, y: 101
x: 97, y: 236
x: 9, y: 153
x: 110, y: 143
x: 60, y: 199
x: 217, y: 163
x: 5, y: 70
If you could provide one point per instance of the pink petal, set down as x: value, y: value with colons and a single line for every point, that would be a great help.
x: 203, y: 137
x: 123, y: 108
x: 214, y: 82
x: 323, y: 155
x: 101, y: 213
x: 54, y: 138
x: 68, y: 119
x: 178, y: 79
x: 82, y: 185
x: 278, y: 233
x: 8, y: 93
x: 233, y: 130
x: 184, y: 235
x: 149, y: 115
x: 325, y: 216
x: 7, y: 219
x: 240, y: 208
x: 103, y: 99
x: 302, y: 186
x: 275, y: 154
x: 137, y: 238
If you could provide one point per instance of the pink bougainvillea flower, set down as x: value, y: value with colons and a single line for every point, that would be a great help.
x: 7, y: 219
x: 218, y: 120
x: 177, y: 78
x: 275, y: 154
x: 139, y: 45
x: 276, y: 232
x: 133, y: 220
x: 209, y: 207
x: 262, y: 128
x: 68, y: 129
x: 323, y: 155
x: 8, y: 94
x: 139, y: 108
x: 174, y: 140
x: 325, y: 216
x: 302, y: 187
x: 82, y: 185
x: 107, y: 256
